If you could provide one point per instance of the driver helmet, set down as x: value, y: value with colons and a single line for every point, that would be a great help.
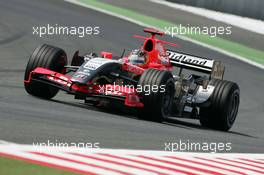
x: 137, y: 57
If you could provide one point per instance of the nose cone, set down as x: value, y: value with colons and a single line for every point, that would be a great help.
x: 94, y: 68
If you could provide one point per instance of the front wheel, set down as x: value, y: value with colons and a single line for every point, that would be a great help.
x: 49, y: 57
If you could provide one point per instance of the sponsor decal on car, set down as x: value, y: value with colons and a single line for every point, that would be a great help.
x: 95, y: 63
x: 189, y: 60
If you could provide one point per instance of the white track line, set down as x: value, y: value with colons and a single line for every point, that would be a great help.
x: 180, y: 37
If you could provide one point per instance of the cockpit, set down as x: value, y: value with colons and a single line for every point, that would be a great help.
x: 138, y: 57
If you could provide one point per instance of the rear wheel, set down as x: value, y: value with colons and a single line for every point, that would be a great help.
x: 157, y: 94
x: 49, y: 57
x: 223, y: 108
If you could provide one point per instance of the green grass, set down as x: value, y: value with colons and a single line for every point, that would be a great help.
x: 232, y: 47
x: 18, y: 167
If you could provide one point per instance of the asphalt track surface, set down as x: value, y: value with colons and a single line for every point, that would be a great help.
x: 26, y: 119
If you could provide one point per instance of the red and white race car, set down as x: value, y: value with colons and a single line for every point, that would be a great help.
x: 143, y: 79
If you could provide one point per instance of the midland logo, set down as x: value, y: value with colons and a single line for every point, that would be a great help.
x: 178, y: 57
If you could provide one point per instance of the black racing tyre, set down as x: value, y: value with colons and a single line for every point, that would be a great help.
x: 223, y: 108
x: 49, y: 57
x: 157, y: 102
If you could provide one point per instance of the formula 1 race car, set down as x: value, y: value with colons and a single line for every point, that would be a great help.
x: 152, y: 79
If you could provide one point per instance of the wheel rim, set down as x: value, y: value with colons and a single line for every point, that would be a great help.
x: 233, y: 108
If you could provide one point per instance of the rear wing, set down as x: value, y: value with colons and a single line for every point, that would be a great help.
x: 200, y: 64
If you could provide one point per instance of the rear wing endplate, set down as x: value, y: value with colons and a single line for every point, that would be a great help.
x: 200, y: 64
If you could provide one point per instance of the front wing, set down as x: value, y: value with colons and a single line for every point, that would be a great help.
x: 65, y: 83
